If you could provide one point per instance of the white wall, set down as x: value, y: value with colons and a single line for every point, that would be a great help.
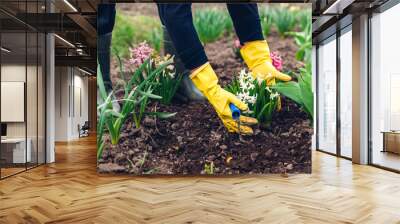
x: 33, y: 127
x: 71, y: 94
x: 16, y: 73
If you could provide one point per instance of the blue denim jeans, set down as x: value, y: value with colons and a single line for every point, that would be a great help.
x: 177, y: 18
x: 105, y: 25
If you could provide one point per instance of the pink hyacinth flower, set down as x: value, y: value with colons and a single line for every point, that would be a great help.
x: 236, y: 44
x: 276, y: 60
x: 140, y: 54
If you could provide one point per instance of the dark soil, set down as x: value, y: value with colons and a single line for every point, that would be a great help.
x: 195, y: 137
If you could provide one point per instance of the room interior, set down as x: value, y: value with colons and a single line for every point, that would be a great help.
x: 22, y: 101
x: 342, y: 45
x: 385, y: 89
x: 33, y: 67
x: 339, y: 190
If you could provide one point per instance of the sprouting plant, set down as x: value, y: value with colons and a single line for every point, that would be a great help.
x: 284, y: 20
x: 262, y: 100
x: 135, y: 29
x: 266, y: 104
x: 122, y: 34
x: 304, y: 40
x: 304, y: 18
x: 137, y: 92
x: 211, y: 23
x: 156, y: 38
x: 300, y: 91
x: 266, y: 17
x: 209, y: 168
x: 168, y: 81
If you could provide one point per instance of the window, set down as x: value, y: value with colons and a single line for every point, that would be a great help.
x: 385, y: 89
x: 327, y: 96
x: 346, y: 92
x: 22, y: 96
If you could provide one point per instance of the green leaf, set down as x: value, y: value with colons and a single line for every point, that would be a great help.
x: 264, y: 108
x: 289, y: 89
x: 162, y: 115
x: 100, y: 148
x: 114, y: 113
x: 100, y: 84
x: 307, y: 94
x: 149, y: 94
x: 300, y: 55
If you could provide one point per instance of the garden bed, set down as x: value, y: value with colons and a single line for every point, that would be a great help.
x: 194, y: 141
x: 195, y: 138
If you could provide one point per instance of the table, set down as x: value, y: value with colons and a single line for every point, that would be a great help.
x: 13, y: 150
x: 391, y: 141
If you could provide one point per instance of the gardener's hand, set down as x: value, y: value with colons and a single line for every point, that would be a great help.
x: 205, y: 79
x: 256, y: 54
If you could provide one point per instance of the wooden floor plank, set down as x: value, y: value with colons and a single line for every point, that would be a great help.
x: 70, y: 191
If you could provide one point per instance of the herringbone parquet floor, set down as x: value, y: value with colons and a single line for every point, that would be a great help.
x: 70, y: 191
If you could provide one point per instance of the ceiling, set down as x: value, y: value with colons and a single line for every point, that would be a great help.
x: 74, y: 22
x: 330, y: 15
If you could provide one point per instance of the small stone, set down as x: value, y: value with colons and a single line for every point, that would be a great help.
x: 120, y: 157
x: 180, y: 138
x: 253, y: 156
x: 174, y: 126
x: 285, y: 134
x: 269, y: 153
x: 289, y: 166
x: 150, y: 122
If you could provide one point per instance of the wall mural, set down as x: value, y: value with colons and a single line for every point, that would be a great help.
x: 216, y: 89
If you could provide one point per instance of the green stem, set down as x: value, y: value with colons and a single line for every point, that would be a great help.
x: 136, y: 120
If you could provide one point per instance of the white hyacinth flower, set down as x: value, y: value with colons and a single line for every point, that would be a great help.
x: 274, y: 95
x: 246, y: 84
x: 171, y: 74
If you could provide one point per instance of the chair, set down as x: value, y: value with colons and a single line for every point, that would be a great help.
x: 84, y: 130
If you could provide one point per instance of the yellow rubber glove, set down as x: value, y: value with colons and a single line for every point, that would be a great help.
x: 205, y: 79
x: 257, y: 57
